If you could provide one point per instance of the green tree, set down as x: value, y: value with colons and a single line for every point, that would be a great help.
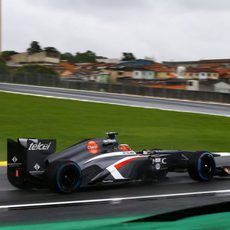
x: 68, y: 57
x: 35, y: 69
x: 128, y: 57
x: 34, y: 47
x: 4, y: 69
x: 85, y: 57
x: 101, y: 57
x: 5, y: 55
x: 51, y: 50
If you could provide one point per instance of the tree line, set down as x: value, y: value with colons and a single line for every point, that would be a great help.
x: 79, y: 57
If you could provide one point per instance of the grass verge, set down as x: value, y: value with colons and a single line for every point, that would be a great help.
x: 70, y: 121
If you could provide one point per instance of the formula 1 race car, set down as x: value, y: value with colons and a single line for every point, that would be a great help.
x: 33, y: 163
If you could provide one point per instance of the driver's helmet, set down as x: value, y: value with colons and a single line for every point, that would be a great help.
x: 124, y: 147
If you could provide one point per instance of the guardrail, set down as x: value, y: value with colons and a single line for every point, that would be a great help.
x: 44, y: 80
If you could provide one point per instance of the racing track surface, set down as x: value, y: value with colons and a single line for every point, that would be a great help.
x: 177, y: 191
x: 174, y: 184
x: 121, y: 99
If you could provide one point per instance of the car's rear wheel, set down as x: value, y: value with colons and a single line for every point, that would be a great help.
x: 64, y: 176
x: 161, y: 174
x: 202, y: 166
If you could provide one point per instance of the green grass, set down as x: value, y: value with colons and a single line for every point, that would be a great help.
x: 70, y: 121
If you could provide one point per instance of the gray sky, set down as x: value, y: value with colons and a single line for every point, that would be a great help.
x: 163, y: 29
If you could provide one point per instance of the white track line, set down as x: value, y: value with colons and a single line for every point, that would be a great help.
x: 118, y: 199
x: 112, y: 103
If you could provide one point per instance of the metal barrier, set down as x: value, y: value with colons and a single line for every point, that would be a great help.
x: 45, y: 80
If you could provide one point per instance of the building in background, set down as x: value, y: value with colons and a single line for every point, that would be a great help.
x: 41, y: 58
x: 222, y: 87
x: 200, y: 73
x: 206, y: 63
x: 208, y: 85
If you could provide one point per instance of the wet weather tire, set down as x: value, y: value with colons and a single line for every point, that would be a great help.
x: 202, y: 167
x: 64, y: 176
x: 162, y: 175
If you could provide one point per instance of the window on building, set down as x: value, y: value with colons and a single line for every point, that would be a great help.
x: 120, y: 73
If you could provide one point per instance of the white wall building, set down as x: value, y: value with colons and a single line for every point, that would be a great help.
x: 37, y: 58
x: 143, y: 75
x: 222, y: 87
x: 192, y: 85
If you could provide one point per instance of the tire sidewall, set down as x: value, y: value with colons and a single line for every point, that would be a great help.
x: 195, y: 164
x: 55, y: 173
x: 199, y: 165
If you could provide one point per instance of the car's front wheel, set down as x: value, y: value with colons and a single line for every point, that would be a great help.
x: 202, y: 166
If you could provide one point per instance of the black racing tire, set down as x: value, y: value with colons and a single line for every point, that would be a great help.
x: 202, y: 167
x: 64, y: 176
x: 162, y: 174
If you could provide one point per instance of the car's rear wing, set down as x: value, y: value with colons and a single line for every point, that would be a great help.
x: 28, y: 155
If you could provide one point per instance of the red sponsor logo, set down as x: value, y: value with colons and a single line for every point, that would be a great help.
x: 121, y: 164
x: 124, y: 148
x: 93, y: 147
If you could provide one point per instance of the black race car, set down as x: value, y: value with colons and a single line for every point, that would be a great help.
x: 33, y: 163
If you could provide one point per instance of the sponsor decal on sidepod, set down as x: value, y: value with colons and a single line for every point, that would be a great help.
x: 93, y: 147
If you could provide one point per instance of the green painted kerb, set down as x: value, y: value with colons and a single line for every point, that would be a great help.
x: 213, y: 221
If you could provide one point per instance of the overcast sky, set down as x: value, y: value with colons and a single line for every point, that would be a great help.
x: 163, y: 29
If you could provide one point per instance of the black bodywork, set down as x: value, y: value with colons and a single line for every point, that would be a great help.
x: 34, y: 163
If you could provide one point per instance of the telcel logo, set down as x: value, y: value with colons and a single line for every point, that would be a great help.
x: 39, y: 146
